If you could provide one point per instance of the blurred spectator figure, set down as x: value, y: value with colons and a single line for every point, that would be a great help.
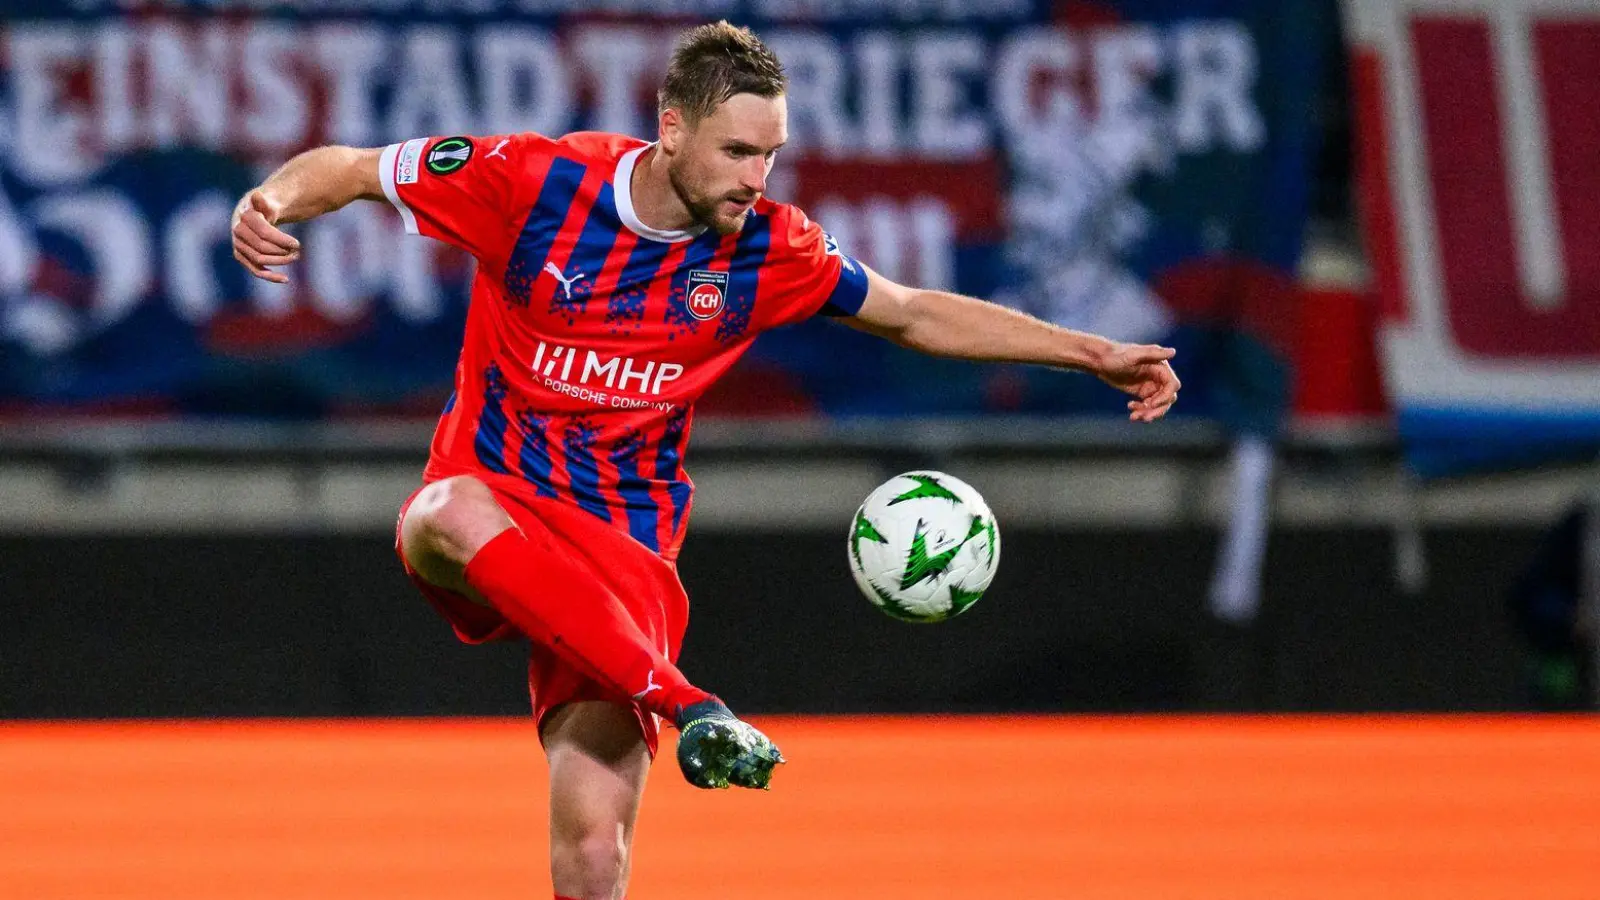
x: 1546, y: 603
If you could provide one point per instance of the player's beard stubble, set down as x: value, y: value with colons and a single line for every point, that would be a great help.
x: 703, y: 209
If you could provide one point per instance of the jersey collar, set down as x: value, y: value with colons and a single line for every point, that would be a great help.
x: 622, y: 189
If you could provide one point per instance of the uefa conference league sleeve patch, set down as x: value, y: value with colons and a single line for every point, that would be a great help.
x: 449, y: 156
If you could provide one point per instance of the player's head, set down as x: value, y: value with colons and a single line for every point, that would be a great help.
x: 723, y: 117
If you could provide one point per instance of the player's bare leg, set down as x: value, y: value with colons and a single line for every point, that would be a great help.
x: 598, y: 764
x: 456, y: 536
x: 448, y: 523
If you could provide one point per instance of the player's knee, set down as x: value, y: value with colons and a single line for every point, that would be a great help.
x: 448, y: 522
x: 590, y: 866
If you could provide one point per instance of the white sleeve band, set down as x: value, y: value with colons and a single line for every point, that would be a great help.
x: 398, y: 165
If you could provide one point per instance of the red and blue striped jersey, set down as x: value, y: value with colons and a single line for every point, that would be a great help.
x: 589, y: 334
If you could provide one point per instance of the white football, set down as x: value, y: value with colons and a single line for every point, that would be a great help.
x: 924, y: 546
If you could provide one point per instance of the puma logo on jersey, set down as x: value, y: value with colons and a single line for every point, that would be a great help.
x: 566, y: 283
x: 649, y: 685
x: 498, y: 150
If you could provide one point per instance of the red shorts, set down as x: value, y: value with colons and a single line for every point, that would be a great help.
x: 645, y: 584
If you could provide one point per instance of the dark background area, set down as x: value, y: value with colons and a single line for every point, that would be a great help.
x: 1076, y: 621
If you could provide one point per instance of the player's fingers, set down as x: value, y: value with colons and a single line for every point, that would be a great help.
x: 1162, y: 395
x: 260, y: 244
x: 1143, y: 354
x: 264, y: 274
x: 271, y: 234
x: 257, y: 256
x: 244, y: 234
x: 1169, y: 386
x: 1152, y: 408
x: 1158, y: 395
x: 270, y: 259
x: 258, y: 271
x: 269, y: 213
x: 271, y: 255
x: 1161, y: 385
x: 245, y: 257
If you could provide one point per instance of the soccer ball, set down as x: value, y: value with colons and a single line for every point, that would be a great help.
x: 924, y: 546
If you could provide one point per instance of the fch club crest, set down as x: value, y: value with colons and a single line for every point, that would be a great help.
x: 705, y: 293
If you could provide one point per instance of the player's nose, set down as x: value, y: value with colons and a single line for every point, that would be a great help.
x: 754, y: 178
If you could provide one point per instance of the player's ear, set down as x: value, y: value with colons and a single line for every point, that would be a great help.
x: 673, y: 129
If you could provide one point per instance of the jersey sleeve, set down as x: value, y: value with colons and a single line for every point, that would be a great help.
x: 814, y: 276
x: 463, y: 190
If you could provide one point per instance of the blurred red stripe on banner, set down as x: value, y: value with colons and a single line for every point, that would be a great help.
x: 1336, y: 373
x: 1192, y: 807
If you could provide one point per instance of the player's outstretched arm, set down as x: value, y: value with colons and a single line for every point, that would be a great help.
x: 315, y: 182
x: 945, y: 324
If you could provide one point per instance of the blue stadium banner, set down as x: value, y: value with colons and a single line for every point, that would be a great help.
x: 1136, y: 168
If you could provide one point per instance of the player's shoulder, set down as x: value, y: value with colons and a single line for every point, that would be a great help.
x: 791, y: 228
x: 518, y: 147
x: 596, y: 146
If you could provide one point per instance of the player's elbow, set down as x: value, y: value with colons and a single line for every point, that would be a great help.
x: 922, y: 324
x: 887, y: 309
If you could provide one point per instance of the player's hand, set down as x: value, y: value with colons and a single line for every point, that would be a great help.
x: 1142, y: 370
x: 258, y: 242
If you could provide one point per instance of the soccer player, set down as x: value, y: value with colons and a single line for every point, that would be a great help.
x: 616, y: 281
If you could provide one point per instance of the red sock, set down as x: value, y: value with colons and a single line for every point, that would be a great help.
x: 561, y: 607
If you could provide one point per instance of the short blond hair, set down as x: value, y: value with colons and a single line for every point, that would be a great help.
x: 714, y: 62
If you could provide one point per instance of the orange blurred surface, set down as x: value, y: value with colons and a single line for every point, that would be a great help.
x: 1176, y: 807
